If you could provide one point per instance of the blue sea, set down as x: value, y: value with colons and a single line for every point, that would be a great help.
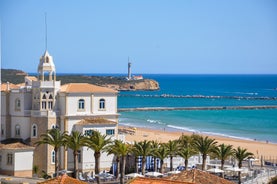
x: 207, y: 90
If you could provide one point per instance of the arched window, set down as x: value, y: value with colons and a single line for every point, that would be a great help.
x: 81, y: 104
x: 44, y: 97
x: 34, y: 130
x: 17, y: 130
x: 17, y: 104
x: 50, y: 96
x: 53, y: 157
x: 102, y: 103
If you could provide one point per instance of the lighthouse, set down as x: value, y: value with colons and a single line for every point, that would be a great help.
x: 129, y: 70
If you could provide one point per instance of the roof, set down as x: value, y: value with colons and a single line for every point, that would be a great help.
x: 97, y: 120
x: 141, y: 180
x: 85, y: 88
x: 64, y: 179
x: 31, y: 78
x: 198, y: 177
x: 11, y: 86
x: 16, y: 146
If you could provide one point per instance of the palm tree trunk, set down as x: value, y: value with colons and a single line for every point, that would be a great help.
x: 186, y: 164
x: 97, y: 164
x: 136, y: 164
x: 204, y: 162
x: 222, y: 167
x: 122, y: 170
x: 240, y: 165
x: 76, y: 172
x: 143, y: 165
x: 171, y: 163
x: 117, y: 167
x: 56, y: 161
x: 155, y: 164
x: 162, y: 166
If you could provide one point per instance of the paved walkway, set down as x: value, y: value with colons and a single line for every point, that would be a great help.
x: 19, y: 180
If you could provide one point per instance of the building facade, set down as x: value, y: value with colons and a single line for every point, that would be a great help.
x: 41, y: 103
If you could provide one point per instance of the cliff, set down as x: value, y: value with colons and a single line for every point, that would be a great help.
x: 145, y: 84
x: 117, y: 83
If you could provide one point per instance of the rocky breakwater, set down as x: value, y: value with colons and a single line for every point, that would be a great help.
x: 133, y: 85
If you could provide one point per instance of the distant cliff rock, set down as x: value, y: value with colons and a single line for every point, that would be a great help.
x: 114, y: 82
x: 145, y: 84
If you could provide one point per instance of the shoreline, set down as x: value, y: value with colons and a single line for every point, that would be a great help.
x: 259, y: 148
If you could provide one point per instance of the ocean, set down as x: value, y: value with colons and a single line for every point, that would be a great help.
x: 203, y: 91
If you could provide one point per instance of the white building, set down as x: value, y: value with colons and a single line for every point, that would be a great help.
x: 29, y: 109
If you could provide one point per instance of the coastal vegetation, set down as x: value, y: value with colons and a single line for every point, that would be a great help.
x: 185, y: 146
x: 115, y: 82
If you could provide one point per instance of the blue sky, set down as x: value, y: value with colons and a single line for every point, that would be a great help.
x: 159, y: 36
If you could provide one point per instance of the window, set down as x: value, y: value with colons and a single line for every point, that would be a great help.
x: 110, y: 132
x: 9, y: 159
x: 81, y: 104
x: 17, y: 130
x: 102, y: 103
x: 17, y: 104
x: 50, y: 105
x: 34, y: 130
x: 43, y: 105
x: 2, y: 130
x: 88, y: 132
x: 53, y: 156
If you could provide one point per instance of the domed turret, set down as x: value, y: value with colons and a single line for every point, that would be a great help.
x: 46, y: 66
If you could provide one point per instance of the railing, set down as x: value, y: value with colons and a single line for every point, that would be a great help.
x: 261, y: 178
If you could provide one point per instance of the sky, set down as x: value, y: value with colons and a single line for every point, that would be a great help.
x: 158, y: 36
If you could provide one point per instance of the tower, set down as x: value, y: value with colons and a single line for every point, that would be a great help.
x: 129, y: 69
x: 45, y: 111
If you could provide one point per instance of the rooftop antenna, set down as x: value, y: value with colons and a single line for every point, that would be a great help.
x: 45, y: 31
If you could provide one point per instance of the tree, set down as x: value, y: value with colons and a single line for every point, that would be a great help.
x: 205, y: 146
x: 161, y: 153
x: 222, y: 152
x: 173, y: 148
x: 186, y: 148
x: 154, y: 145
x: 75, y: 141
x: 240, y: 154
x: 120, y: 150
x: 98, y: 143
x: 143, y: 149
x: 55, y: 138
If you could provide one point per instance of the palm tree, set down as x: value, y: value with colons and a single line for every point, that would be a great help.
x: 186, y: 148
x: 143, y: 149
x: 75, y: 141
x: 98, y: 143
x: 222, y: 152
x: 154, y: 145
x: 161, y: 153
x: 120, y: 150
x: 205, y: 146
x: 240, y: 154
x: 173, y: 147
x: 55, y: 138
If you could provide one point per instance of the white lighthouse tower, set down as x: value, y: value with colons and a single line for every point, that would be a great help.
x: 129, y: 70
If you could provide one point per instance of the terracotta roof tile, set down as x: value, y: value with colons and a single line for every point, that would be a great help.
x: 199, y: 177
x: 11, y: 86
x: 140, y: 180
x: 64, y: 179
x: 31, y: 78
x: 98, y: 120
x: 16, y: 146
x: 85, y: 88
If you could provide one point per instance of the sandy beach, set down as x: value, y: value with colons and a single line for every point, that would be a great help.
x: 267, y: 150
